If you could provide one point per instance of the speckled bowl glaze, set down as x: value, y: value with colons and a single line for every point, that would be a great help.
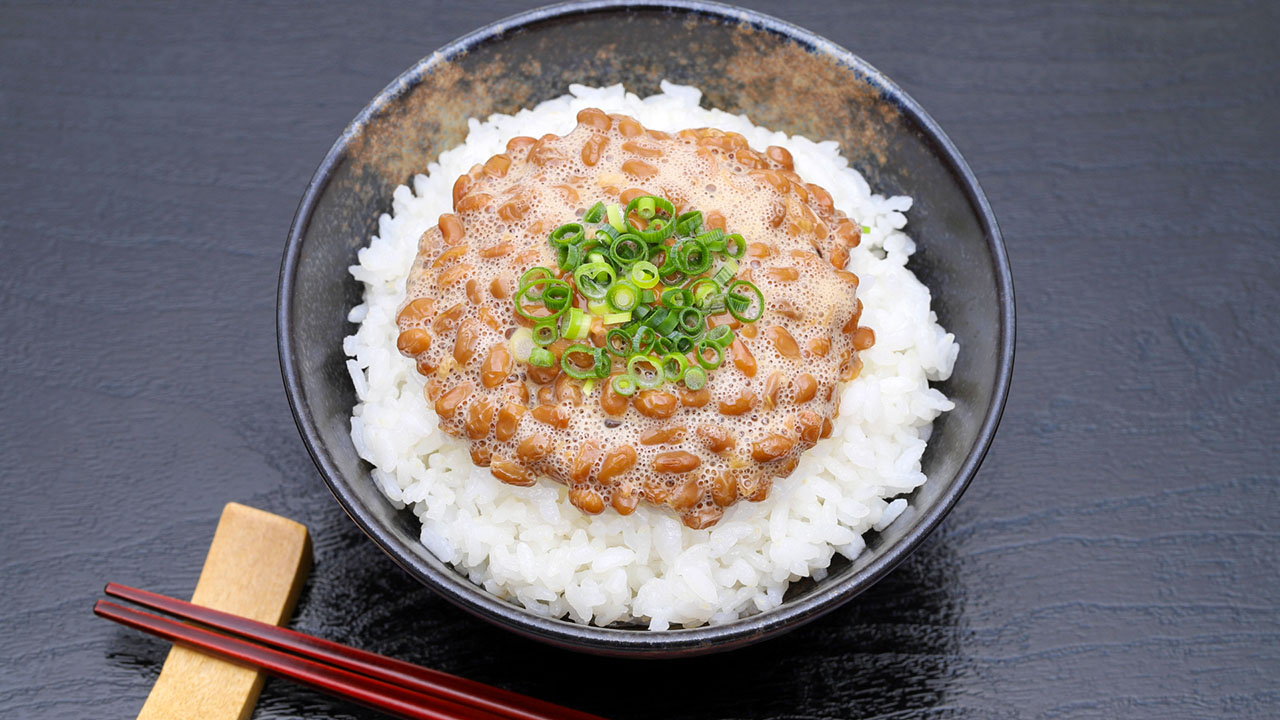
x: 783, y: 77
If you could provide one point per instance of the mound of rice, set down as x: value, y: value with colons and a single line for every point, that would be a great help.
x: 529, y: 544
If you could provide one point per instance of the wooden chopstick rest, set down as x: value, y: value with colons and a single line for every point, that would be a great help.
x: 255, y: 568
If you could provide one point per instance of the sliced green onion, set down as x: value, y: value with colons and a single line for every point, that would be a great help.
x: 655, y: 317
x: 595, y: 213
x: 726, y: 272
x: 628, y: 249
x: 615, y: 217
x: 645, y: 308
x: 690, y: 321
x: 567, y: 234
x: 624, y: 385
x: 721, y: 335
x: 578, y: 325
x: 713, y: 239
x: 644, y: 340
x: 695, y: 378
x: 676, y: 298
x: 554, y: 295
x: 588, y: 386
x: 645, y: 378
x: 673, y: 366
x: 666, y: 345
x: 557, y: 297
x: 667, y: 324
x: 712, y: 304
x: 541, y: 357
x: 659, y: 229
x: 535, y: 273
x: 695, y: 257
x: 569, y: 257
x: 594, y: 278
x: 701, y: 288
x: 689, y: 223
x: 617, y: 318
x: 571, y: 368
x: 735, y: 246
x: 648, y: 297
x: 866, y: 229
x: 618, y: 342
x: 545, y: 332
x: 644, y: 274
x: 738, y: 304
x: 671, y: 275
x: 605, y: 234
x: 622, y: 296
x: 603, y: 362
x: 701, y: 347
x: 598, y: 307
x: 645, y: 208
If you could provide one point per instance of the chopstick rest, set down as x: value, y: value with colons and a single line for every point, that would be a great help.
x: 255, y: 568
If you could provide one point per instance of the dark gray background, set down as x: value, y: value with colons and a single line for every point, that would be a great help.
x: 1115, y: 557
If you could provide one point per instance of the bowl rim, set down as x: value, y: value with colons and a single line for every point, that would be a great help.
x: 459, y: 590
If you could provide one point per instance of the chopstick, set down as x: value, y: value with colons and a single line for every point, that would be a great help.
x: 384, y: 683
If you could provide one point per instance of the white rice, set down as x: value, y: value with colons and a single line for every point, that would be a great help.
x: 530, y: 545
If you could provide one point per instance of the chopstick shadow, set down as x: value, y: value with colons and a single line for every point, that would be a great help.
x: 894, y: 649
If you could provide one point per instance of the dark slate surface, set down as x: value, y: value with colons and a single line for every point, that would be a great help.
x: 1116, y: 556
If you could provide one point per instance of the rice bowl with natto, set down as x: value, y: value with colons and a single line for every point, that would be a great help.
x: 529, y: 544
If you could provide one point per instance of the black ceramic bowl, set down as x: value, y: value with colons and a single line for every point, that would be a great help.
x: 783, y: 77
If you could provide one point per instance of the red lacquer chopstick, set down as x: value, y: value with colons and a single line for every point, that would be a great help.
x: 397, y: 672
x: 457, y: 692
x: 376, y: 694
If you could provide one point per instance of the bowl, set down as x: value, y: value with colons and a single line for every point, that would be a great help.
x: 783, y: 77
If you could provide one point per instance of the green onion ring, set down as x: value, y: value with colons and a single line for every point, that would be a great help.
x: 534, y: 273
x: 622, y: 296
x: 560, y: 289
x: 620, y: 336
x: 689, y: 223
x: 676, y: 298
x: 624, y: 385
x: 704, y: 345
x: 713, y: 239
x: 545, y: 332
x: 681, y: 364
x: 695, y: 378
x: 567, y: 234
x: 587, y: 278
x: 595, y: 213
x: 628, y: 249
x: 646, y: 207
x: 734, y: 296
x: 645, y: 380
x: 694, y: 248
x: 690, y: 321
x: 571, y: 368
x: 721, y: 335
x: 644, y: 274
x: 577, y: 325
x: 569, y: 257
x: 656, y: 235
x: 541, y: 357
x: 735, y: 246
x: 644, y: 340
